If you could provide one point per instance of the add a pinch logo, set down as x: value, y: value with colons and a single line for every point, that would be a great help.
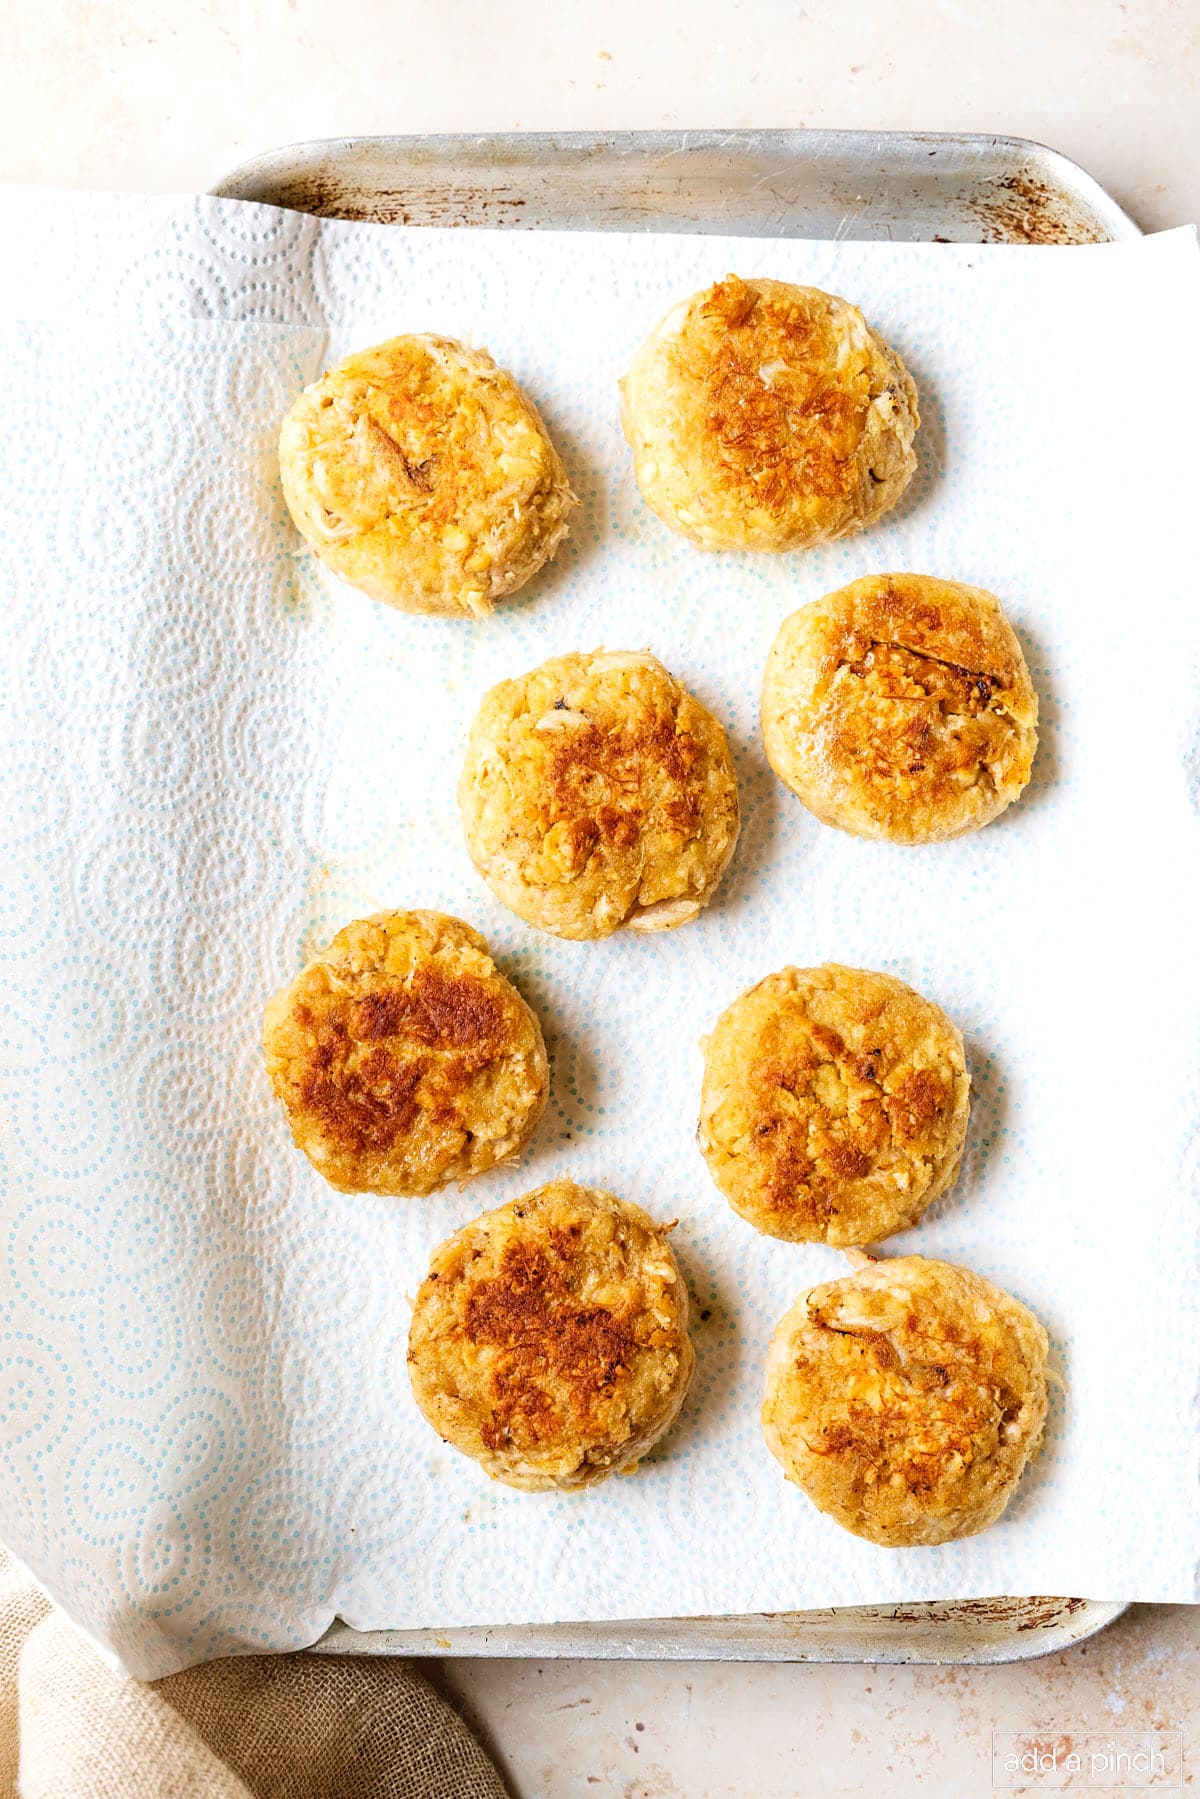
x: 1133, y: 1761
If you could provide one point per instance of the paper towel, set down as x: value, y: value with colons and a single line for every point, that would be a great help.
x: 214, y: 756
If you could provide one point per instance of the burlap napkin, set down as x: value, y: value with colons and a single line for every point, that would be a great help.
x: 256, y: 1727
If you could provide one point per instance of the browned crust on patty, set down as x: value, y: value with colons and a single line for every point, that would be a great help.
x: 549, y: 1339
x: 421, y: 473
x: 529, y: 1314
x: 834, y: 1105
x: 906, y: 1399
x: 403, y: 1058
x: 901, y: 707
x: 797, y: 435
x: 767, y: 416
x: 597, y: 792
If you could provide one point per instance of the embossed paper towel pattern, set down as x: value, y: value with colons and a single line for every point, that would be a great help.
x: 213, y: 757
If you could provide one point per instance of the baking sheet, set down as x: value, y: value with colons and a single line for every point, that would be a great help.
x: 899, y: 186
x: 978, y: 1631
x: 903, y: 186
x: 220, y: 711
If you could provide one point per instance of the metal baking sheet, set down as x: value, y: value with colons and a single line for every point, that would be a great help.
x: 910, y: 187
x: 963, y: 1630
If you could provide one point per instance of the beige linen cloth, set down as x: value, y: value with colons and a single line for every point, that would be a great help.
x: 255, y: 1727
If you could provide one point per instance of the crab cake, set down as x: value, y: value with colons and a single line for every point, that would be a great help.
x: 834, y: 1105
x: 906, y: 1399
x: 764, y: 416
x: 404, y: 1059
x: 549, y: 1339
x: 900, y: 707
x: 598, y: 793
x: 419, y: 472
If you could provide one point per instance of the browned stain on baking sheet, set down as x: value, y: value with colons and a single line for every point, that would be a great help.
x: 332, y: 198
x: 1022, y: 209
x: 1020, y: 1614
x: 1018, y: 208
x: 1005, y: 1615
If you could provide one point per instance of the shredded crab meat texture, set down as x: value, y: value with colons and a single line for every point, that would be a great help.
x: 849, y: 1321
x: 995, y: 683
x: 410, y: 483
x: 996, y: 704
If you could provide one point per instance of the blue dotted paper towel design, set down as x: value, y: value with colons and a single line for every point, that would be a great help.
x: 214, y: 756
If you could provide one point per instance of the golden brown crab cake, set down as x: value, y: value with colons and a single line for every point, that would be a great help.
x: 549, y: 1339
x: 906, y: 1399
x: 419, y: 472
x: 834, y: 1105
x: 403, y: 1058
x: 764, y: 416
x: 900, y: 707
x: 598, y: 793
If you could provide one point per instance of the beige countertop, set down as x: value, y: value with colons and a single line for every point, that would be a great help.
x: 131, y: 94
